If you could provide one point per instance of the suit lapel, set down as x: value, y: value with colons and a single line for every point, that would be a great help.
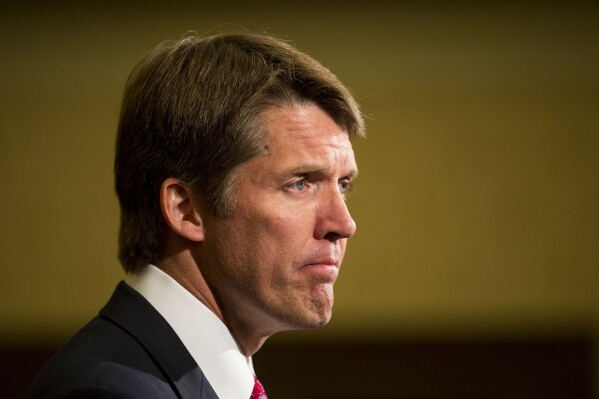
x: 128, y: 309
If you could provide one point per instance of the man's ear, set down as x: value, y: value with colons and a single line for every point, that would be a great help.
x: 178, y: 204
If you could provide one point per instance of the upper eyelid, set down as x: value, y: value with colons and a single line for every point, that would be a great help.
x: 307, y: 180
x: 350, y: 180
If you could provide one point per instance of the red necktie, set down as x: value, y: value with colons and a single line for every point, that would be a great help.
x: 258, y: 392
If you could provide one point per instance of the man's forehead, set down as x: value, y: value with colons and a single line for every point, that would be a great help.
x: 307, y: 123
x: 303, y: 139
x: 313, y: 154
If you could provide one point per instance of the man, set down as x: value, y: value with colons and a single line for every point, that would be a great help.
x: 233, y: 160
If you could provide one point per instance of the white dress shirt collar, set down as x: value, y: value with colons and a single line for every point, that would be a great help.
x: 204, y: 335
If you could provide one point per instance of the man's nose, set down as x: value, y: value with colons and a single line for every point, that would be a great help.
x: 334, y: 219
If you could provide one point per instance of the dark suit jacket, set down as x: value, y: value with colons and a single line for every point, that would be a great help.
x: 128, y: 351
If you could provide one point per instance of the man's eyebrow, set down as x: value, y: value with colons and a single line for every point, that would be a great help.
x: 313, y: 169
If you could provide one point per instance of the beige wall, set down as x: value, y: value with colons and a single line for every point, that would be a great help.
x: 478, y: 197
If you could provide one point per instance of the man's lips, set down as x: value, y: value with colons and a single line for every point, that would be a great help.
x: 323, y: 262
x: 325, y: 270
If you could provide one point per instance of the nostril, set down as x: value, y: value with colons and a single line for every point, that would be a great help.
x: 332, y: 237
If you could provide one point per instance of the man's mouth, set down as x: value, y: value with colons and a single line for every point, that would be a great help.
x: 323, y: 270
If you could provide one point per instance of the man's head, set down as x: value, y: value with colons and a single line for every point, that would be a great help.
x: 272, y: 263
x: 194, y: 111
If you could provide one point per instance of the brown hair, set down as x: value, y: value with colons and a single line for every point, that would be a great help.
x: 191, y: 110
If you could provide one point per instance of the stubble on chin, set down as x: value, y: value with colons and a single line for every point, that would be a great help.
x: 313, y: 311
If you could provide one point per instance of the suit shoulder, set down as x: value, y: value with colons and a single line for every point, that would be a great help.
x: 101, y: 361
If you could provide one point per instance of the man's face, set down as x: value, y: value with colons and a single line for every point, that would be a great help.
x: 273, y: 262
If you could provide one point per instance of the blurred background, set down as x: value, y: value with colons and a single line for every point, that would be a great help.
x: 475, y: 269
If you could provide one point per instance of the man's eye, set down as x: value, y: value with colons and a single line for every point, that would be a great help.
x: 344, y: 186
x: 299, y: 185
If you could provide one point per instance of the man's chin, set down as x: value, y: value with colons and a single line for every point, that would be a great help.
x: 316, y: 319
x: 308, y: 314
